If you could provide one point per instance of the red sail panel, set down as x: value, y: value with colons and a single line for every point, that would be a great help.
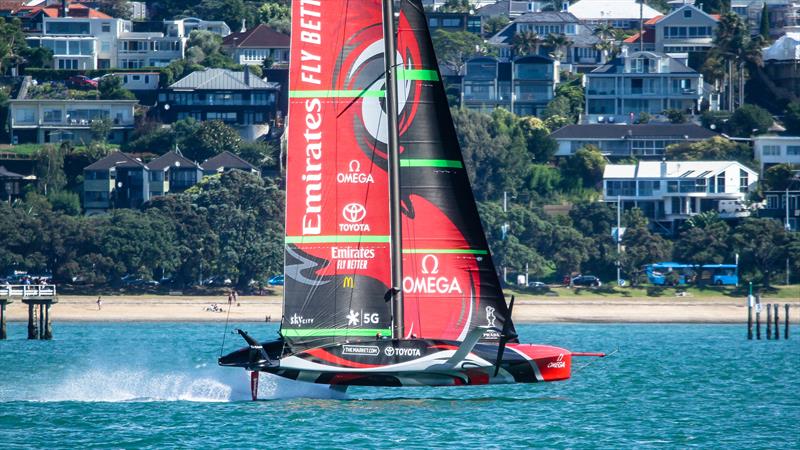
x: 337, y: 217
x: 449, y: 281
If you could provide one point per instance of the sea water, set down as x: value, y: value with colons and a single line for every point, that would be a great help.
x: 133, y: 385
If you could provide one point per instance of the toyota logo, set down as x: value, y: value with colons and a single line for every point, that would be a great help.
x: 354, y: 212
x: 389, y: 351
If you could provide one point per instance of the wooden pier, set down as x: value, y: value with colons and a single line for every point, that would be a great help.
x: 39, y: 298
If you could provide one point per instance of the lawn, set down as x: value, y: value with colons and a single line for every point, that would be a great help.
x: 21, y: 149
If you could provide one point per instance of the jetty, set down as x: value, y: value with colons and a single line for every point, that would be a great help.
x: 39, y: 298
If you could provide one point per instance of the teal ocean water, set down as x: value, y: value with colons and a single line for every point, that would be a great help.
x: 157, y: 385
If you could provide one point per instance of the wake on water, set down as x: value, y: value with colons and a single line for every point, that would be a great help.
x: 200, y: 385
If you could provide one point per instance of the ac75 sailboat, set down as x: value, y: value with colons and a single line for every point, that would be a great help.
x: 389, y: 279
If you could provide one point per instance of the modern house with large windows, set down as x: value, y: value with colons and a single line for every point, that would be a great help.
x: 644, y: 141
x: 772, y: 150
x: 523, y: 86
x: 669, y: 192
x: 641, y: 82
x: 240, y: 99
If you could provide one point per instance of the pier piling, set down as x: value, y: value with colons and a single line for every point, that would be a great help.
x: 39, y: 298
x: 749, y: 321
x: 3, y: 323
x: 769, y: 321
x: 777, y: 322
x: 786, y: 321
x: 758, y: 317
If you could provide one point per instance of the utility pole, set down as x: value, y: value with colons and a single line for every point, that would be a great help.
x: 641, y: 25
x: 788, y: 227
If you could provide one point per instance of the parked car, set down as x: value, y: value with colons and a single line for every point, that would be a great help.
x: 587, y: 280
x: 133, y: 280
x: 276, y: 280
x: 537, y: 285
x: 217, y: 281
x: 81, y: 81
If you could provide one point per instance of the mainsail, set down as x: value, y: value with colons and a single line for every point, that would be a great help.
x: 450, y: 283
x: 337, y: 228
x: 338, y: 268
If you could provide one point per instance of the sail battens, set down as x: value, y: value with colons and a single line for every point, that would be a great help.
x: 452, y: 251
x: 417, y: 75
x: 336, y: 239
x: 449, y: 163
x: 345, y: 93
x: 312, y: 332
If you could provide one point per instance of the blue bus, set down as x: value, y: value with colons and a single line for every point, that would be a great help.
x: 671, y: 273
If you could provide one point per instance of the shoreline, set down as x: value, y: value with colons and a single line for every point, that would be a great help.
x: 148, y: 308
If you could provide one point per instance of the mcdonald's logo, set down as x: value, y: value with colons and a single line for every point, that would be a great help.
x: 348, y: 283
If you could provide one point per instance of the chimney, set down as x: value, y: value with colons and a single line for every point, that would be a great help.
x: 564, y: 6
x: 64, y: 8
x: 244, y: 28
x: 247, y: 75
x: 663, y: 168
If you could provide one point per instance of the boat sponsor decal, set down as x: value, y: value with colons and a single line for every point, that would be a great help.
x: 351, y: 258
x: 356, y: 318
x: 360, y: 350
x: 559, y: 363
x: 490, y: 317
x: 392, y: 351
x: 432, y: 283
x: 354, y: 213
x: 300, y: 320
x: 354, y: 175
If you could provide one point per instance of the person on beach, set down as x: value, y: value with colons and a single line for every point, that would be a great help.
x: 236, y: 298
x: 230, y: 299
x: 99, y: 303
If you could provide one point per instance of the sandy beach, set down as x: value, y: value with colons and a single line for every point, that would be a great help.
x: 154, y: 308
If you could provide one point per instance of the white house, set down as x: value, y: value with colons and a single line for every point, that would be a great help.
x: 669, y: 192
x: 772, y: 150
x: 617, y: 13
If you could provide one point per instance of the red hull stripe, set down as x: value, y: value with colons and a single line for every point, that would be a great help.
x: 325, y: 356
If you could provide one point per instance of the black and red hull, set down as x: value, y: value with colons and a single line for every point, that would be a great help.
x: 411, y: 362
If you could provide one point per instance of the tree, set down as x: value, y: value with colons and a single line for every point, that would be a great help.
x: 65, y: 201
x: 212, y: 137
x: 111, y: 88
x: 276, y: 15
x: 100, y: 129
x: 734, y: 45
x: 558, y: 43
x: 231, y: 11
x: 749, y: 120
x: 585, y: 167
x: 50, y: 168
x: 641, y: 247
x: 454, y: 48
x: 494, y: 24
x: 526, y: 43
x: 791, y: 118
x: 675, y: 116
x: 541, y: 147
x: 455, y: 6
x: 39, y: 57
x: 779, y: 177
x: 704, y: 242
x: 12, y: 43
x: 118, y: 9
x: 716, y: 148
x: 764, y: 28
x: 763, y: 247
x: 716, y: 6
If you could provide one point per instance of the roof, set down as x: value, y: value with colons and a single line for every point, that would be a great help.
x: 547, y: 17
x: 213, y: 79
x: 11, y: 5
x: 786, y: 48
x: 583, y: 38
x: 674, y: 169
x: 603, y: 131
x: 501, y: 8
x: 610, y: 10
x: 172, y: 159
x: 617, y: 65
x: 261, y: 36
x: 649, y: 37
x: 226, y: 160
x: 115, y: 159
x: 5, y: 173
x: 714, y: 17
x: 73, y: 11
x: 654, y: 20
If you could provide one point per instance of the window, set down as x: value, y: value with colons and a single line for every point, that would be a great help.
x: 451, y: 23
x: 743, y: 180
x: 61, y: 27
x: 687, y: 13
x: 68, y: 64
x: 771, y: 150
x: 793, y: 150
x: 774, y: 202
x: 571, y: 28
x: 52, y: 116
x: 625, y: 188
x: 105, y: 46
x: 25, y: 116
x: 105, y: 27
x: 721, y: 183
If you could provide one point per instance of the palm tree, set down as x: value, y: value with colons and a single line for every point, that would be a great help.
x: 604, y: 31
x: 559, y: 43
x: 526, y: 43
x: 734, y: 46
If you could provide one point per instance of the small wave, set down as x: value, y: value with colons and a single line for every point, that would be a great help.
x: 203, y: 385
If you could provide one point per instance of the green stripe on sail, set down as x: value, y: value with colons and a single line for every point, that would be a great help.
x: 337, y: 94
x: 450, y: 163
x: 417, y: 74
x: 335, y: 239
x: 314, y: 332
x: 458, y: 251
